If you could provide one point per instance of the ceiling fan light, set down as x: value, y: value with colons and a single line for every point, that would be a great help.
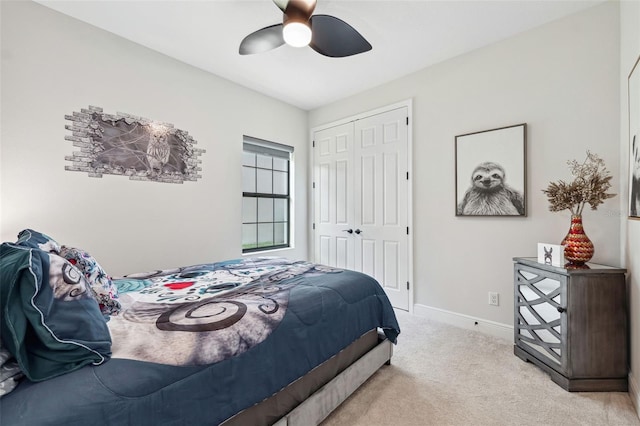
x: 297, y: 34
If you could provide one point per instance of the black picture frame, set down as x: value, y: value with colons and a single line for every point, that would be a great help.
x: 634, y: 141
x: 490, y: 168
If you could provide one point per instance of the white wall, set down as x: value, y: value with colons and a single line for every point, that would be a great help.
x: 53, y: 65
x: 562, y: 80
x: 630, y: 229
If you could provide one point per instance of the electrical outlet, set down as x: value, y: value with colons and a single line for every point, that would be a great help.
x: 494, y: 298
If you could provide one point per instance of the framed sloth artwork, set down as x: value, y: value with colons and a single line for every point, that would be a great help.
x: 491, y: 172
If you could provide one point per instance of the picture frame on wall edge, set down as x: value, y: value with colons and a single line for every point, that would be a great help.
x: 634, y: 141
x: 490, y: 172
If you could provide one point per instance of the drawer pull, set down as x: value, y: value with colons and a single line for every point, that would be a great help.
x: 561, y: 310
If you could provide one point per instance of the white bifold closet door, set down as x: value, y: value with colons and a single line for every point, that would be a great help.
x: 361, y: 199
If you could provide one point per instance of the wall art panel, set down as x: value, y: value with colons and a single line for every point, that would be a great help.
x: 128, y: 145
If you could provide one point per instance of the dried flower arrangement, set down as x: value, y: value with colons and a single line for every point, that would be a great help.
x: 591, y: 182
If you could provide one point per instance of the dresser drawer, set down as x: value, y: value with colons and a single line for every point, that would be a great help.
x: 540, y: 319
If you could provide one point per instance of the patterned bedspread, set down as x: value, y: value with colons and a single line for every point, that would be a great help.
x: 198, y: 344
x: 204, y: 314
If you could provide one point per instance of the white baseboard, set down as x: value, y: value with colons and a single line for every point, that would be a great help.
x: 633, y: 393
x: 496, y: 329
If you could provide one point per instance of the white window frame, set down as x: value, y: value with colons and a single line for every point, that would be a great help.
x: 278, y: 152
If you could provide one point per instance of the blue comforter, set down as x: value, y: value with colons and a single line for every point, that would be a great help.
x: 197, y: 345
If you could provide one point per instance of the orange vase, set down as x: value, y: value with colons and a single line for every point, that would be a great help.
x: 578, y: 248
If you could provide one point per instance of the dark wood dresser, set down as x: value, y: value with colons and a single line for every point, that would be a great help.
x: 573, y: 323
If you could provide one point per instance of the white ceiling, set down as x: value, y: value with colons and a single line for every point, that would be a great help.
x: 406, y: 36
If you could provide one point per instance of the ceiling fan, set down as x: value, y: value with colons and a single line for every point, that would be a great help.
x: 326, y: 34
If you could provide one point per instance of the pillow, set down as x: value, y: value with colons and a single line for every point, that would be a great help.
x: 35, y: 239
x: 49, y: 320
x: 105, y: 291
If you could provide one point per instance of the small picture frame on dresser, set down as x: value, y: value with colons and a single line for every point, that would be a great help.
x: 551, y: 254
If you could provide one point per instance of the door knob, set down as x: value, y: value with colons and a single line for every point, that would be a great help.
x: 349, y: 230
x: 357, y: 231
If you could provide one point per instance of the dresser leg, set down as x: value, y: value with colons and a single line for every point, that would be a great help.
x: 520, y: 354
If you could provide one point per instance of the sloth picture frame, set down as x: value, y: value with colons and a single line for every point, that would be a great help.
x: 490, y: 175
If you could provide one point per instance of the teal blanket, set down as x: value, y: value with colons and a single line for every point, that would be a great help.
x: 48, y: 319
x: 197, y: 344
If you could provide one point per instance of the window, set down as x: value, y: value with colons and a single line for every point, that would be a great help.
x: 265, y: 195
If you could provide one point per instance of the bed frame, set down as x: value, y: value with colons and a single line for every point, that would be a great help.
x: 310, y: 399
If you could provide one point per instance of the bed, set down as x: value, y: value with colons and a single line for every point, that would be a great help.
x: 254, y: 341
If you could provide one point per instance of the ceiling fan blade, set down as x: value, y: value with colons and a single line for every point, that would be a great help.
x: 282, y: 4
x: 335, y: 38
x: 262, y: 40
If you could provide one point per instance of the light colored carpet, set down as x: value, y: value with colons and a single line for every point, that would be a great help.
x: 444, y: 375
